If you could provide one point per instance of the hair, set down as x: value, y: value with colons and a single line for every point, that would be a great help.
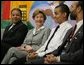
x: 17, y: 10
x: 80, y: 3
x: 37, y: 11
x: 64, y: 8
x: 62, y: 2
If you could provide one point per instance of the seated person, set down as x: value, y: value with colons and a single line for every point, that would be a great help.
x: 15, y: 33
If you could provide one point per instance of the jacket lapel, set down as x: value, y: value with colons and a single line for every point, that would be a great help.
x: 79, y: 31
x: 6, y: 30
x: 75, y: 36
x: 67, y: 37
x: 37, y: 32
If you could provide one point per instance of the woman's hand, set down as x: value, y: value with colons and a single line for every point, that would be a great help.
x: 22, y: 47
x: 28, y: 48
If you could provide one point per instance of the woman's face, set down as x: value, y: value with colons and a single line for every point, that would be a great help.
x: 39, y: 19
x: 16, y: 16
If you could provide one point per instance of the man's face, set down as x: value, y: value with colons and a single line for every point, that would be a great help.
x: 16, y: 16
x: 73, y: 9
x: 58, y: 15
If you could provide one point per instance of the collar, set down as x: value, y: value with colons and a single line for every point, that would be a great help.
x: 80, y: 23
x: 34, y: 30
x: 63, y: 24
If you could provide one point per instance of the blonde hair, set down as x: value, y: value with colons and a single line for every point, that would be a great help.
x: 37, y: 11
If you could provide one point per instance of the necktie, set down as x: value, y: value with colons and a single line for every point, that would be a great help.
x: 51, y: 37
x: 72, y: 33
x: 68, y: 44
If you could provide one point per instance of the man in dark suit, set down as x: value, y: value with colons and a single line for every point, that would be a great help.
x: 71, y: 50
x: 15, y: 33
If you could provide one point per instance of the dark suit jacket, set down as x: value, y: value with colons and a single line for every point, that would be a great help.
x: 13, y: 37
x: 74, y: 52
x: 16, y: 35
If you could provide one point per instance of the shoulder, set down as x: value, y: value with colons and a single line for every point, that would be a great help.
x: 68, y: 25
x: 30, y: 31
x: 47, y: 29
x: 22, y: 25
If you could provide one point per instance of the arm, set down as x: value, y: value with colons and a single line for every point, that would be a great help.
x: 73, y: 57
x: 77, y: 56
x: 44, y: 45
x: 45, y: 36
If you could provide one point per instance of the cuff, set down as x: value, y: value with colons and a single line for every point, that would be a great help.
x: 41, y: 54
x: 58, y: 58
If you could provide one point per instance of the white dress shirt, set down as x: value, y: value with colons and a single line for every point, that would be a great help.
x: 11, y: 26
x: 78, y: 25
x: 56, y: 40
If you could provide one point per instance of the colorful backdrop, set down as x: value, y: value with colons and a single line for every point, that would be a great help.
x: 27, y: 7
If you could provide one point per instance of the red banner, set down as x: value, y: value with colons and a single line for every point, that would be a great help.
x: 5, y: 10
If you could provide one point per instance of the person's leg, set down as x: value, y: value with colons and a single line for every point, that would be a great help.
x: 63, y: 63
x: 4, y: 49
x: 12, y: 59
x: 8, y: 56
x: 13, y: 52
x: 38, y: 60
x: 19, y: 61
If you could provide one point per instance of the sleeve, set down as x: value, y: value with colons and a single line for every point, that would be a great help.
x: 27, y: 36
x: 44, y: 44
x: 77, y: 56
